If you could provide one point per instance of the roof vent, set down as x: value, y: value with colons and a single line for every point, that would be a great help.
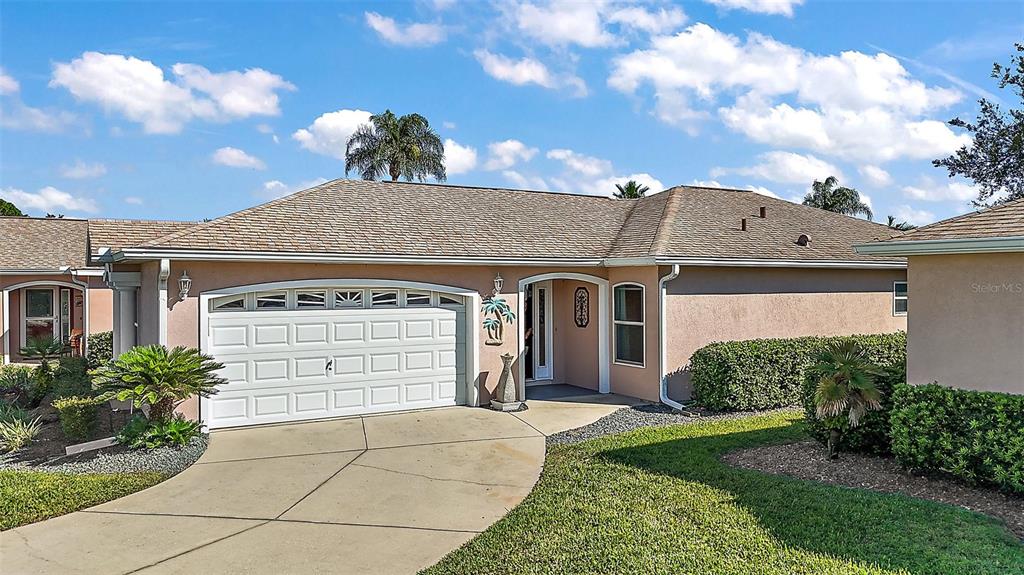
x: 743, y: 224
x: 803, y: 240
x: 764, y: 211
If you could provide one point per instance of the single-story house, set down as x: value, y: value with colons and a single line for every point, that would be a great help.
x: 966, y: 281
x: 51, y: 284
x: 356, y: 297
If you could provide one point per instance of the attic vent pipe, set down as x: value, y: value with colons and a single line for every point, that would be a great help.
x: 803, y: 240
x: 764, y: 212
x: 743, y: 224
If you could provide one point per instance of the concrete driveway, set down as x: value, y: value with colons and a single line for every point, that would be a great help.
x: 377, y: 494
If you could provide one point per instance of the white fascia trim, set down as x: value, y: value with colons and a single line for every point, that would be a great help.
x: 955, y: 246
x: 770, y: 263
x: 52, y: 271
x: 88, y: 272
x: 310, y: 257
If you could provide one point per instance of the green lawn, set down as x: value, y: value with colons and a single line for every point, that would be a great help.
x: 659, y: 501
x: 30, y: 496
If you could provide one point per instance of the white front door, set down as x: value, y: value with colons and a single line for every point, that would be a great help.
x: 542, y: 331
x: 309, y: 363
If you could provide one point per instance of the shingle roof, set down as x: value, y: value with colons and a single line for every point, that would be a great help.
x: 355, y: 217
x: 42, y: 243
x: 117, y: 234
x: 1004, y: 220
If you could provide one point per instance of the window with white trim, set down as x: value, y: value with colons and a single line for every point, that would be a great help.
x: 311, y: 299
x: 449, y: 300
x: 900, y: 298
x: 271, y: 300
x: 416, y: 298
x: 628, y: 321
x: 229, y: 302
x: 384, y: 298
x: 348, y: 298
x: 40, y: 314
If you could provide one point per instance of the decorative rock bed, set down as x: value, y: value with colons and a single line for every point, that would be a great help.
x: 168, y: 460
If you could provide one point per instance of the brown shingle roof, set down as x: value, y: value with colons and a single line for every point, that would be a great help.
x: 42, y: 243
x: 1004, y: 220
x: 117, y: 234
x: 355, y: 217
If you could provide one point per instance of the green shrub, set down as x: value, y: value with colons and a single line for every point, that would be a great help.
x: 974, y: 436
x: 16, y: 433
x: 78, y: 415
x: 15, y: 377
x: 100, y: 348
x: 133, y: 430
x: 872, y: 436
x: 845, y: 391
x: 144, y: 433
x: 768, y: 373
x: 71, y: 379
x: 10, y: 412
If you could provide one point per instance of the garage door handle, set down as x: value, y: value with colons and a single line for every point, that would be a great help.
x: 327, y: 368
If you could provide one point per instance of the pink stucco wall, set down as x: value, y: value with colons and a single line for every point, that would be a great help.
x: 709, y: 304
x: 638, y: 381
x: 575, y: 348
x: 967, y: 321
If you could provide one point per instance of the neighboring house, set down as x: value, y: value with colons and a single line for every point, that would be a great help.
x: 49, y: 284
x: 355, y: 297
x: 967, y: 287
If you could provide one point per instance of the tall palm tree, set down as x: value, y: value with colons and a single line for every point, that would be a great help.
x: 829, y: 195
x: 895, y: 224
x: 631, y: 190
x: 400, y: 147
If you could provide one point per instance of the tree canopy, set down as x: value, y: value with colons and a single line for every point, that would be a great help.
x: 398, y: 147
x: 995, y: 159
x: 631, y: 190
x: 9, y: 209
x: 829, y: 195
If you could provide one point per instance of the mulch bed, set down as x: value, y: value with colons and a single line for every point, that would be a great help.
x: 808, y: 460
x: 51, y: 442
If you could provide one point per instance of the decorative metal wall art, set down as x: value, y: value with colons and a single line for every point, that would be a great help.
x: 581, y: 307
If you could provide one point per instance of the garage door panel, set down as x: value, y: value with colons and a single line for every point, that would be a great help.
x: 381, y: 360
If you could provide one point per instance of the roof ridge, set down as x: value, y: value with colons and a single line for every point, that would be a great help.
x: 200, y: 226
x: 497, y: 188
x: 984, y: 210
x: 668, y: 213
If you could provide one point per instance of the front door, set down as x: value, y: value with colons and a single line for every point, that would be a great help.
x: 539, y: 333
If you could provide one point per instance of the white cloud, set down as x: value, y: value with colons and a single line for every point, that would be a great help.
x: 757, y: 189
x: 779, y: 7
x: 605, y: 186
x: 786, y: 168
x: 851, y: 105
x: 914, y: 216
x: 15, y: 115
x: 448, y: 125
x: 81, y: 170
x: 525, y: 182
x: 458, y: 159
x: 264, y: 129
x: 440, y: 5
x: 8, y: 85
x: 49, y: 200
x: 329, y: 134
x: 583, y: 165
x: 133, y: 200
x: 236, y: 158
x: 653, y: 22
x: 416, y: 34
x: 931, y: 191
x: 561, y: 23
x: 875, y: 175
x: 274, y: 189
x: 138, y: 90
x: 526, y: 71
x: 504, y: 155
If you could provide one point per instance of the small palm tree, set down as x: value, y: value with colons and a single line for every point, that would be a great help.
x: 44, y: 349
x: 846, y: 389
x: 399, y: 147
x: 151, y: 374
x: 895, y: 224
x: 631, y: 190
x: 829, y: 195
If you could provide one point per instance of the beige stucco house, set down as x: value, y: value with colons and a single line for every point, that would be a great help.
x: 356, y: 297
x: 966, y: 282
x: 51, y: 284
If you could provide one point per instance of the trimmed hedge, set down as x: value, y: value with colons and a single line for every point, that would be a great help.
x: 768, y: 373
x: 101, y: 348
x: 974, y: 436
x: 78, y: 416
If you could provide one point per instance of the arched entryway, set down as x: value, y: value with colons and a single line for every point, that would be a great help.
x: 42, y: 309
x: 563, y: 330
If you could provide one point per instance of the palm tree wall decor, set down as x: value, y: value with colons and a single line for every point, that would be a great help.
x: 396, y: 147
x: 502, y: 313
x: 829, y: 195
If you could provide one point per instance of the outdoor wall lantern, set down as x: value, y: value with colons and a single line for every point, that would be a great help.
x: 498, y: 283
x: 184, y: 284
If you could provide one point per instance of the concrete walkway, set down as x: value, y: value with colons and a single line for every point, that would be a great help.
x: 387, y: 494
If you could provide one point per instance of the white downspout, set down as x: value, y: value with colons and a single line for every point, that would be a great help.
x: 663, y: 339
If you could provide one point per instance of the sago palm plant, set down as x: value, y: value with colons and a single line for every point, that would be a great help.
x: 153, y: 375
x: 846, y: 390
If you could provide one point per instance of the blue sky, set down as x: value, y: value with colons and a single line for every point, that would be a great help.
x: 194, y: 110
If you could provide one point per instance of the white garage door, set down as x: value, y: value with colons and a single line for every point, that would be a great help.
x: 291, y: 355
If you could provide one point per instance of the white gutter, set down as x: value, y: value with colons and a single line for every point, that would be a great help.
x: 663, y: 339
x: 952, y: 246
x: 781, y: 263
